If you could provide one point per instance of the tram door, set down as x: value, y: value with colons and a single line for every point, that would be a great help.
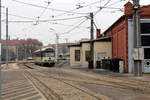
x: 145, y: 41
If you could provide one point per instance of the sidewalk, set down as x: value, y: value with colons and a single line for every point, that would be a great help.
x: 145, y: 77
x: 15, y: 86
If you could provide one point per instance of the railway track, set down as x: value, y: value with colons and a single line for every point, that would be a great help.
x: 102, y: 83
x: 44, y: 89
x: 84, y: 90
x: 134, y: 85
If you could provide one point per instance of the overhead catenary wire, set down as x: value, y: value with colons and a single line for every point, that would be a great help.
x: 30, y: 21
x: 114, y: 3
x: 38, y: 18
x: 78, y: 9
x: 62, y: 24
x: 43, y: 11
x: 19, y: 16
x: 35, y: 5
x: 67, y: 32
x: 102, y: 8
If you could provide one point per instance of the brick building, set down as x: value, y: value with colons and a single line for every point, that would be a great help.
x: 122, y: 37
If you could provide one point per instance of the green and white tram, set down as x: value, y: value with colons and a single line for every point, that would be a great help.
x: 45, y: 56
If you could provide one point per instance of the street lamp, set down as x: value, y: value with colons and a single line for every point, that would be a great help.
x: 56, y: 44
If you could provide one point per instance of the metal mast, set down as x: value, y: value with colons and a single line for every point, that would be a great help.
x: 137, y: 38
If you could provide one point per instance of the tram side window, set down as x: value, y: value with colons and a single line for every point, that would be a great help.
x: 145, y: 28
x: 77, y: 55
x: 38, y: 55
x: 49, y: 54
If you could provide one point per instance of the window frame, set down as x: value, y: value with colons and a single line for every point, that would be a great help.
x: 77, y: 55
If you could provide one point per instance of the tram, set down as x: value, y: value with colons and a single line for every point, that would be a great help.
x: 45, y: 56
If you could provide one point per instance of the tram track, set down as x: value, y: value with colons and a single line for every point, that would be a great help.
x: 102, y: 83
x: 143, y: 87
x: 134, y: 85
x: 84, y: 90
x: 44, y: 89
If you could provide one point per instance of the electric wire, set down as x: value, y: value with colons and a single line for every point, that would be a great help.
x: 43, y: 11
x: 35, y: 5
x: 77, y: 9
x: 30, y: 21
x: 38, y: 18
x: 103, y: 6
x: 67, y: 32
x: 69, y: 25
x: 19, y: 16
x: 114, y: 3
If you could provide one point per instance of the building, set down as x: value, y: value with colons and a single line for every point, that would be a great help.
x: 62, y: 48
x: 80, y: 52
x: 19, y: 49
x: 122, y: 37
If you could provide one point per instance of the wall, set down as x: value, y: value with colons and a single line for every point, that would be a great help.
x: 100, y: 47
x: 85, y: 47
x: 120, y: 40
x: 72, y: 56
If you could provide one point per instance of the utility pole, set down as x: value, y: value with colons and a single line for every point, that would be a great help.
x: 137, y: 38
x: 0, y: 20
x: 7, y: 37
x: 0, y: 50
x: 0, y: 73
x: 56, y: 46
x: 91, y: 41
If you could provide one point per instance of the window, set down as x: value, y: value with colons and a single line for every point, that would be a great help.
x: 145, y: 34
x: 145, y: 40
x: 49, y: 54
x: 77, y: 55
x: 147, y: 53
x: 145, y: 28
x: 101, y: 55
x: 87, y: 55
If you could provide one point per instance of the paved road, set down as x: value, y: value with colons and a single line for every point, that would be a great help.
x: 15, y: 86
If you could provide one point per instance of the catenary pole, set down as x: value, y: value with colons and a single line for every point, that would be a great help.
x: 91, y: 41
x: 57, y: 42
x: 137, y: 38
x: 7, y: 37
x: 0, y: 52
x: 0, y: 20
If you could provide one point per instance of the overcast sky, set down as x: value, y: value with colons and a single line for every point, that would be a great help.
x: 76, y: 11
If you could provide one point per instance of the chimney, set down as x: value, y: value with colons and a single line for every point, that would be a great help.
x: 98, y: 33
x: 128, y: 8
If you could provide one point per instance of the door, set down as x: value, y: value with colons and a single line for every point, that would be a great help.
x: 146, y: 62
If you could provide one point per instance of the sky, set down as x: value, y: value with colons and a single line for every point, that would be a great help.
x: 43, y: 19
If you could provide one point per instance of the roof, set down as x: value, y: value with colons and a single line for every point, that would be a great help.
x: 44, y: 49
x: 75, y: 45
x: 61, y: 44
x: 102, y: 39
x: 124, y: 16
